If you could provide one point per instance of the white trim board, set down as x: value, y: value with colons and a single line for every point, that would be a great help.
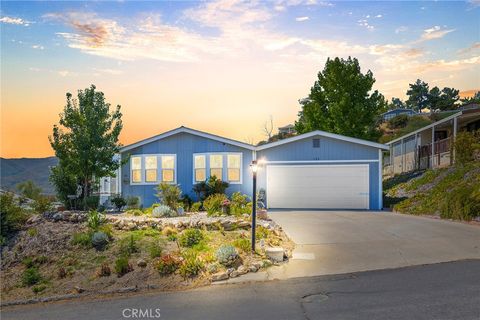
x: 190, y: 131
x: 323, y: 134
x: 320, y: 161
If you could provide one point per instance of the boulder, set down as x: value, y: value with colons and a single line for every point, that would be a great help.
x: 234, y: 274
x: 141, y: 263
x: 275, y: 254
x: 220, y: 276
x: 57, y: 216
x: 242, y: 270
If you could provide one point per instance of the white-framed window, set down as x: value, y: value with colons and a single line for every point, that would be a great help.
x: 136, y: 169
x: 153, y: 168
x: 199, y: 168
x: 234, y: 166
x: 225, y: 166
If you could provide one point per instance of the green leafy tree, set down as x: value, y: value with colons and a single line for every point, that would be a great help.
x: 474, y: 99
x: 29, y: 189
x: 396, y: 103
x: 448, y: 99
x: 418, y: 95
x: 434, y: 98
x: 87, y: 138
x: 341, y: 101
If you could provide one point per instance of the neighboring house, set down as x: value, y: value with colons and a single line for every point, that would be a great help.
x: 286, y: 130
x: 313, y: 170
x: 430, y: 146
x: 396, y: 112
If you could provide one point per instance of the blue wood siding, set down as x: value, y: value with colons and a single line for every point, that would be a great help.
x: 329, y: 150
x: 184, y: 145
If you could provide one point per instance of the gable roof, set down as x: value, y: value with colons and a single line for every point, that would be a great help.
x: 323, y: 134
x: 183, y: 129
x: 399, y: 109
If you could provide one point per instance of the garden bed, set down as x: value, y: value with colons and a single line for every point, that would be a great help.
x: 53, y: 255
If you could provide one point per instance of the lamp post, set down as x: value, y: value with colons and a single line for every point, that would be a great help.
x: 254, y: 167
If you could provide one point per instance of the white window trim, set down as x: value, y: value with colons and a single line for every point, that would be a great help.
x: 224, y: 168
x: 159, y: 168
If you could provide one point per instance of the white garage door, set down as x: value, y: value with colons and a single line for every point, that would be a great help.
x: 318, y: 186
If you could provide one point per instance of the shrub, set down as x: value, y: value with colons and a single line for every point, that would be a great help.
x: 29, y: 189
x: 190, y: 237
x: 156, y: 249
x: 195, y: 207
x: 466, y: 145
x: 122, y: 266
x: 92, y: 202
x: 31, y: 276
x: 133, y: 202
x: 12, y: 216
x: 39, y: 288
x: 104, y: 270
x: 239, y: 204
x: 191, y: 265
x: 167, y: 264
x: 134, y: 212
x: 169, y: 195
x: 212, y: 186
x: 226, y: 255
x: 118, y: 202
x: 213, y: 204
x: 99, y: 240
x: 128, y: 246
x: 83, y: 239
x: 32, y: 232
x: 462, y: 203
x: 187, y: 202
x: 61, y: 273
x: 95, y: 219
x: 42, y: 204
x: 399, y: 121
x: 261, y: 232
x: 163, y: 211
x: 243, y: 244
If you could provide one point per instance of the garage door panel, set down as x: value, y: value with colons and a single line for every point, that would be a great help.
x: 318, y: 186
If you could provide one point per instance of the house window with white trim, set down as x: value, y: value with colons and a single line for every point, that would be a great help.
x: 216, y: 166
x: 168, y: 169
x: 151, y: 169
x: 200, y: 168
x: 233, y: 167
x: 136, y: 164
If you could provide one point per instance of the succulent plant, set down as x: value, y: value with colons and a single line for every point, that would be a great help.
x: 226, y: 255
x: 99, y: 240
x: 163, y: 211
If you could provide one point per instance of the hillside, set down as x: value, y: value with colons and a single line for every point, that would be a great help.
x: 450, y: 193
x: 14, y: 171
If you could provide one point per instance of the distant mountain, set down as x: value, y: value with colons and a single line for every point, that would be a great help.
x: 14, y: 171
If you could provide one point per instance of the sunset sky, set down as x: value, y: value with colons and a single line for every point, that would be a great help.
x: 223, y: 67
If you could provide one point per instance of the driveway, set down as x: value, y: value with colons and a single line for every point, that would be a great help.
x: 333, y: 242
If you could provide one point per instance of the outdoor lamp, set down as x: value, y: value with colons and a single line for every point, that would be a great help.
x: 254, y: 167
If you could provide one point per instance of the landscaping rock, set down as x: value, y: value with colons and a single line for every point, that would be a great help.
x: 252, y: 268
x: 275, y: 253
x: 57, y: 216
x: 230, y: 270
x: 242, y: 270
x: 78, y: 289
x: 234, y: 274
x: 141, y: 263
x: 220, y: 276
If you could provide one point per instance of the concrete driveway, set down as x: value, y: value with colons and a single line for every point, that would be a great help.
x: 332, y: 242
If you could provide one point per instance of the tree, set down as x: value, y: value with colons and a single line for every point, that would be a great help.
x: 474, y: 99
x: 418, y: 95
x: 434, y: 98
x: 268, y: 128
x: 448, y: 99
x: 87, y: 138
x: 65, y: 183
x: 396, y: 103
x: 29, y: 189
x: 341, y: 101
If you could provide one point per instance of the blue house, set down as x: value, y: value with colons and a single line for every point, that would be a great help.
x: 317, y: 170
x: 396, y: 112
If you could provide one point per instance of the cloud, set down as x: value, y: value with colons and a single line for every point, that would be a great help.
x: 435, y: 32
x: 17, y: 21
x: 401, y: 29
x: 66, y: 73
x: 474, y: 47
x: 300, y: 19
x: 38, y: 47
x: 364, y: 23
x: 378, y: 16
x: 107, y: 71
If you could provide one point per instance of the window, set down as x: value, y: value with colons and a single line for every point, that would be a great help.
x: 216, y: 165
x: 316, y: 143
x: 136, y: 169
x: 233, y: 167
x: 151, y: 169
x: 217, y: 161
x: 200, y: 168
x: 168, y: 168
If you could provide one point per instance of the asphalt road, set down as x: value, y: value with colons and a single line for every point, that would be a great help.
x: 438, y: 291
